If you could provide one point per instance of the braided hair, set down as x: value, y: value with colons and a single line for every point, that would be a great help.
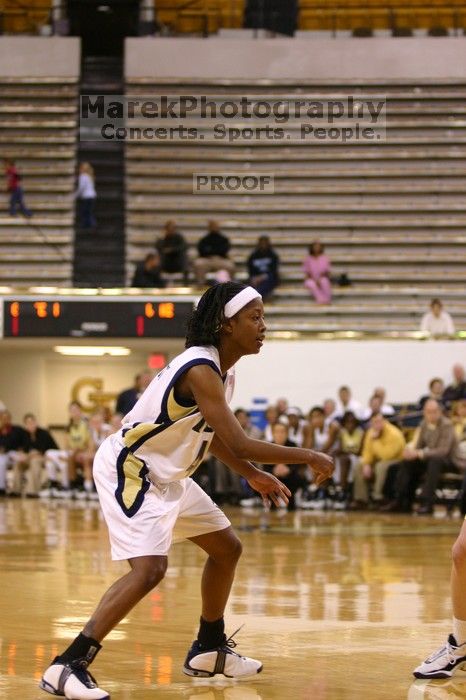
x: 206, y: 320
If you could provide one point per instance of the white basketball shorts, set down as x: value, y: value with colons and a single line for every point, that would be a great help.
x: 143, y: 518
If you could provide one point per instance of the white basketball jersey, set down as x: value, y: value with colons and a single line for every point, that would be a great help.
x: 164, y: 434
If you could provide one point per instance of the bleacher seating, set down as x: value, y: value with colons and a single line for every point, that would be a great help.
x: 392, y: 214
x: 26, y: 17
x: 39, y: 120
x: 208, y: 16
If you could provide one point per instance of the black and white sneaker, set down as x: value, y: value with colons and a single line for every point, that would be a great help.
x: 444, y: 662
x: 221, y: 660
x: 72, y: 681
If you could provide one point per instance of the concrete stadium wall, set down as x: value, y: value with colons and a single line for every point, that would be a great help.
x: 31, y: 57
x: 320, y: 59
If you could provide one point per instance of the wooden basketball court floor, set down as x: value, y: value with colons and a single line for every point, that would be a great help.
x: 338, y: 606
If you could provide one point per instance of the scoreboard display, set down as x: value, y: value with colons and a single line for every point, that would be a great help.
x: 96, y: 317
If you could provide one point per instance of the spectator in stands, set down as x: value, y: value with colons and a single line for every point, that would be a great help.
x: 127, y: 398
x: 316, y: 268
x: 431, y: 452
x: 458, y: 418
x: 317, y: 435
x: 213, y: 249
x: 172, y: 248
x: 437, y: 322
x: 330, y: 410
x: 345, y: 402
x: 148, y: 273
x: 383, y: 446
x: 15, y: 190
x: 386, y: 408
x: 281, y: 405
x: 289, y: 474
x: 376, y: 405
x: 436, y: 391
x: 98, y: 429
x: 28, y: 462
x: 263, y: 267
x: 296, y: 425
x: 86, y: 196
x: 271, y: 416
x: 228, y: 486
x: 350, y: 445
x: 12, y: 439
x: 80, y: 450
x: 457, y: 389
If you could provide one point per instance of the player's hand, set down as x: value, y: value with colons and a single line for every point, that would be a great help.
x: 322, y: 466
x: 270, y: 488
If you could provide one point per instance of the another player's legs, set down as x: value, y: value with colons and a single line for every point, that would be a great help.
x: 212, y: 653
x: 68, y: 675
x: 451, y: 657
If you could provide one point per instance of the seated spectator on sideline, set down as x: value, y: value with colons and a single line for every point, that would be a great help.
x: 351, y: 440
x: 281, y: 405
x: 317, y: 435
x: 13, y: 438
x: 28, y: 462
x: 316, y: 268
x: 228, y: 486
x: 86, y: 196
x: 213, y: 249
x: 432, y: 451
x: 148, y: 273
x: 289, y: 474
x: 437, y: 322
x: 330, y: 410
x: 345, y: 402
x: 436, y: 391
x: 383, y: 446
x: 98, y: 429
x: 376, y: 405
x: 386, y: 409
x: 15, y: 190
x: 296, y: 425
x: 172, y: 248
x: 458, y: 418
x: 271, y: 417
x: 127, y: 398
x: 457, y: 389
x: 80, y: 452
x: 263, y: 267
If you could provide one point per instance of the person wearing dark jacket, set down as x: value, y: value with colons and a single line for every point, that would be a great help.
x: 263, y: 267
x: 148, y: 272
x: 289, y: 474
x: 172, y: 248
x: 28, y: 462
x: 213, y: 249
x: 127, y: 398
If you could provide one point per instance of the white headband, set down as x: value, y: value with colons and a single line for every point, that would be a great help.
x: 240, y: 300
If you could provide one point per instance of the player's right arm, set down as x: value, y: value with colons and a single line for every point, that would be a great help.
x: 206, y: 387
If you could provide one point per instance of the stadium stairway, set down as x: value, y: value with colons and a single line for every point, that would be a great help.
x: 99, y: 255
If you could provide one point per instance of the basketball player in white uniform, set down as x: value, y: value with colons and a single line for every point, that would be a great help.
x: 142, y: 478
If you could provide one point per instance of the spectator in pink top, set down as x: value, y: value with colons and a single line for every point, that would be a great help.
x: 316, y: 267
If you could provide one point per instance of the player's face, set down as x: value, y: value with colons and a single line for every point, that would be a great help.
x: 248, y: 327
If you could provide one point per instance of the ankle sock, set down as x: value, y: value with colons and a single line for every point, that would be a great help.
x: 459, y: 631
x: 211, y: 634
x: 82, y: 648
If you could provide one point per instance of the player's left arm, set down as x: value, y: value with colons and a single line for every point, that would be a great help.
x: 266, y: 484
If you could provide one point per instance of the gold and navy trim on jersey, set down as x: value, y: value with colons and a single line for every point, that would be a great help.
x: 173, y: 408
x: 132, y: 482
